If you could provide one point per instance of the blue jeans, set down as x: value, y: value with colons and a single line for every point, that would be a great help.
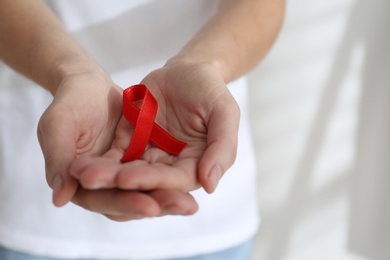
x: 240, y: 252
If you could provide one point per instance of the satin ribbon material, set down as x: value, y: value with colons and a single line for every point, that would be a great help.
x: 145, y: 128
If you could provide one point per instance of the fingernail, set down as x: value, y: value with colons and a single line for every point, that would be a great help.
x: 99, y: 184
x: 57, y: 183
x: 173, y: 209
x: 214, y: 177
x: 138, y: 216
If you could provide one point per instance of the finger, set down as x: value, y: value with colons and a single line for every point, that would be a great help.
x: 100, y: 172
x: 95, y: 173
x: 222, y: 140
x: 174, y: 202
x: 118, y: 204
x: 180, y: 176
x: 171, y: 202
x: 57, y: 137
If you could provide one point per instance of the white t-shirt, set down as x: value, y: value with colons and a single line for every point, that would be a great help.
x: 129, y: 39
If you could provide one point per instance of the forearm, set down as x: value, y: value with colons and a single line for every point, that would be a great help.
x: 237, y: 37
x: 34, y: 43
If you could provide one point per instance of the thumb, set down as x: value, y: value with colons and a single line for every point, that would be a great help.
x: 222, y: 140
x: 57, y: 137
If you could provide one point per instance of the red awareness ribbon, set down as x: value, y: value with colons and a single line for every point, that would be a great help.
x: 145, y: 128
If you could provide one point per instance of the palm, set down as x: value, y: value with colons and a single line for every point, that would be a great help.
x: 193, y: 104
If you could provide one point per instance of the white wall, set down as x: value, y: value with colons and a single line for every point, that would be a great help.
x: 312, y: 110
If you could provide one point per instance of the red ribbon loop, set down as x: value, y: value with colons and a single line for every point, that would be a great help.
x: 145, y: 128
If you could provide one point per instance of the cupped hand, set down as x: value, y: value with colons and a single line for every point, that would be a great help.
x: 82, y: 120
x: 195, y: 106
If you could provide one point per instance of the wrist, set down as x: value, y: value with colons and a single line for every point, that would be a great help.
x: 68, y: 66
x: 194, y: 58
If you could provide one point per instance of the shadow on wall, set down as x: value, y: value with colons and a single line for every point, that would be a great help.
x: 369, y: 180
x: 369, y: 220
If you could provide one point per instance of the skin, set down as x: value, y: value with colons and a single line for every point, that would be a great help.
x: 82, y: 133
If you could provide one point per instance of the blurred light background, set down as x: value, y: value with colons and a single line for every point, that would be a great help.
x: 320, y: 112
